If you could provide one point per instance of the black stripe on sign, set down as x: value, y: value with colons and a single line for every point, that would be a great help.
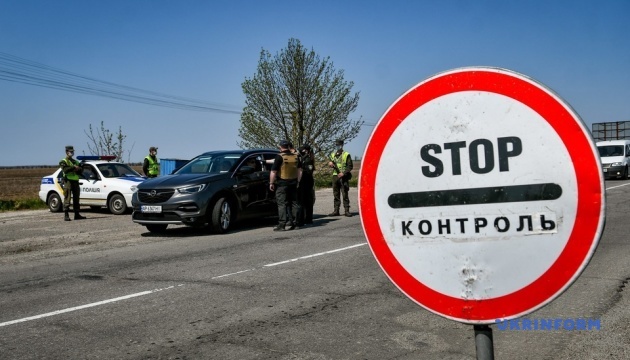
x: 488, y: 195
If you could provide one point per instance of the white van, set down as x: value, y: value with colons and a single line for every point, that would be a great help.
x: 615, y: 157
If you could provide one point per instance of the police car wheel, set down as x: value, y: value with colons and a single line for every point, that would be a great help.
x: 221, y: 216
x: 117, y: 204
x: 54, y: 202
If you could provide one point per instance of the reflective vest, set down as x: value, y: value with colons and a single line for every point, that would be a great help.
x: 340, y: 161
x: 154, y: 167
x: 289, y: 169
x: 72, y: 175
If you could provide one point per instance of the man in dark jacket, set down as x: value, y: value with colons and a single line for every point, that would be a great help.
x: 306, y: 189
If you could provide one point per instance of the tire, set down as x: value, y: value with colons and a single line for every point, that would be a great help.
x: 626, y: 175
x: 221, y: 217
x: 54, y: 202
x: 117, y: 204
x: 157, y: 228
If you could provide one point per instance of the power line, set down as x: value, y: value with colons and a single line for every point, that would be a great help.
x: 16, y: 69
x: 20, y: 70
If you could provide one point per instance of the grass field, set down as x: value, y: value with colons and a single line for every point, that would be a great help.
x: 20, y: 184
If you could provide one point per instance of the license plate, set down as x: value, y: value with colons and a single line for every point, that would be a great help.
x: 151, y: 208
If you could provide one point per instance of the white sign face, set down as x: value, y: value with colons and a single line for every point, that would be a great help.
x: 470, y: 199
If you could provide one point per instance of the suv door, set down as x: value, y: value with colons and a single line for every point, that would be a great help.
x: 252, y: 187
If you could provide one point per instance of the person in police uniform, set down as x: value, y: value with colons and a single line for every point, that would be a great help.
x: 284, y: 178
x: 306, y: 190
x: 150, y: 166
x: 72, y: 171
x: 341, y: 163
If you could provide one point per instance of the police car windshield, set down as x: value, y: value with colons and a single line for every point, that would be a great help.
x: 210, y: 164
x: 110, y: 170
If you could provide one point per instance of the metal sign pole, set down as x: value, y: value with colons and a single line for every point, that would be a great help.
x: 483, y: 342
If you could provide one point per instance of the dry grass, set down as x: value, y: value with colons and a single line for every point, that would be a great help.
x: 20, y: 184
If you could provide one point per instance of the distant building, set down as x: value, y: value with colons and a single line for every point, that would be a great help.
x: 614, y: 130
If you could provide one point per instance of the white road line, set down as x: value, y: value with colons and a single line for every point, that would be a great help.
x: 235, y: 273
x: 314, y: 255
x: 614, y: 187
x: 167, y: 288
x: 85, y: 306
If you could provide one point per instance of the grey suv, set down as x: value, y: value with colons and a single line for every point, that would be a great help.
x: 213, y: 190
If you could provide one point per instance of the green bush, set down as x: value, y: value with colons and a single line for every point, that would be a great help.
x: 22, y: 204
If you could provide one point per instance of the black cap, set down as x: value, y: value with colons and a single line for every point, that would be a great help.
x: 284, y: 143
x: 339, y: 142
x: 69, y: 148
x: 305, y: 147
x: 152, y: 148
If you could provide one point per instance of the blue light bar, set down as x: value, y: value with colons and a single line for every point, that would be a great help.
x: 96, y: 157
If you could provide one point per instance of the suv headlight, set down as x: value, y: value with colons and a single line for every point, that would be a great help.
x: 191, y: 189
x: 134, y: 188
x: 616, y: 164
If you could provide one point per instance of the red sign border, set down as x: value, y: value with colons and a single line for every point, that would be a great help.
x: 589, y: 220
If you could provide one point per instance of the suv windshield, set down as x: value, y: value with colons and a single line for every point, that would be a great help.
x: 610, y: 150
x: 210, y: 164
x: 116, y: 170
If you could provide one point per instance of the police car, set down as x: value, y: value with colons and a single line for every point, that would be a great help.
x: 104, y: 183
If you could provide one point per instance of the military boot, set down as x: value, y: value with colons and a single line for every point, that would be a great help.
x: 78, y: 216
x: 334, y: 213
x: 347, y: 213
x: 66, y: 217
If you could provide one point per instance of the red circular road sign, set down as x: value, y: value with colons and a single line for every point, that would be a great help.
x: 481, y: 194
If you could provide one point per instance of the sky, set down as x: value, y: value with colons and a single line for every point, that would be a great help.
x: 205, y: 50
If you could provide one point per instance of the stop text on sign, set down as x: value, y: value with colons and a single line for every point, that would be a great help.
x: 477, y: 150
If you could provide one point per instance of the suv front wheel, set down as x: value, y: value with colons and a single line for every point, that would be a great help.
x: 221, y: 216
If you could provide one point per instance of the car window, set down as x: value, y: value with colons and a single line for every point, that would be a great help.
x: 610, y: 150
x: 122, y: 170
x: 88, y: 172
x: 211, y: 164
x: 116, y: 170
x: 254, y: 161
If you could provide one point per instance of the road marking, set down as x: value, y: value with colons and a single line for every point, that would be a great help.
x: 614, y: 187
x: 235, y: 273
x: 148, y: 292
x: 85, y: 306
x: 314, y: 255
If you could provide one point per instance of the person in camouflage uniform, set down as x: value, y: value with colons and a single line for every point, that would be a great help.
x: 72, y: 171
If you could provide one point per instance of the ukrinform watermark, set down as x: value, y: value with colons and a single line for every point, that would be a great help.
x: 549, y: 324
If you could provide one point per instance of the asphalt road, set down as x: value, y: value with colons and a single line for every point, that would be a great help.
x: 115, y: 291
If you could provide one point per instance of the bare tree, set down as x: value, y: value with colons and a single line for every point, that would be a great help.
x: 298, y: 96
x: 104, y: 142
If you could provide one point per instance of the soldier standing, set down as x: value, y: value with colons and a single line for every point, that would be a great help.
x: 306, y: 190
x: 150, y: 166
x: 71, y: 170
x: 285, y: 175
x: 341, y: 162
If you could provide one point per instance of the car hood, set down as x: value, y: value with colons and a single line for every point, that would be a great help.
x: 126, y: 180
x: 611, y: 159
x: 178, y: 180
